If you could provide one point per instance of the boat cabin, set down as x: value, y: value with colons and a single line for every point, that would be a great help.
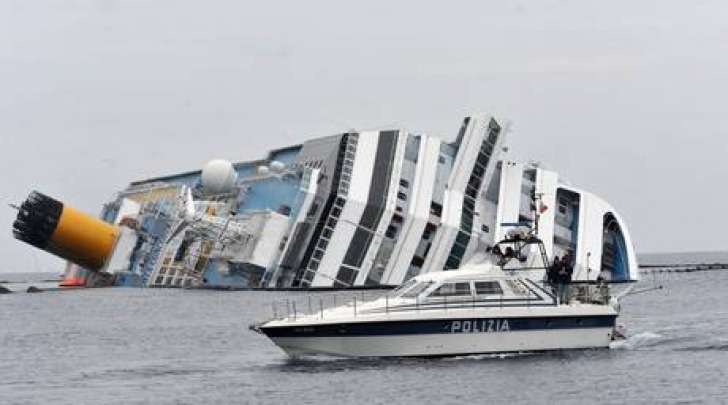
x: 464, y: 285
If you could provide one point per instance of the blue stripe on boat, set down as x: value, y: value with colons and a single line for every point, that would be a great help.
x: 441, y: 326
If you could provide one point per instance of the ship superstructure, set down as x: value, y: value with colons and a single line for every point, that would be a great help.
x: 355, y: 209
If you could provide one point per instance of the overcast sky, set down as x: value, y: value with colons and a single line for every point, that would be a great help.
x: 627, y: 99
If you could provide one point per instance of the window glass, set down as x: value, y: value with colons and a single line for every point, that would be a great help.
x: 416, y: 290
x: 452, y: 290
x: 488, y: 287
x: 404, y: 287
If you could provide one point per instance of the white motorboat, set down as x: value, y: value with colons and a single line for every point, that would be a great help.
x: 492, y: 306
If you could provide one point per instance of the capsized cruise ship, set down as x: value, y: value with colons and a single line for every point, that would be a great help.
x: 349, y: 210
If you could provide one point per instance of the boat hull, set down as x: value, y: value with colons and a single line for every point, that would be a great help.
x: 445, y: 337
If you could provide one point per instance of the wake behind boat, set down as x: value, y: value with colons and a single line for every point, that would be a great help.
x: 488, y: 307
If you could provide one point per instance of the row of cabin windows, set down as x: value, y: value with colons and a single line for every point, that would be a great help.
x: 463, y: 289
x: 326, y: 234
x: 471, y: 192
x: 347, y: 153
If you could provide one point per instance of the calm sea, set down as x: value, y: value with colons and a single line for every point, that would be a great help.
x: 181, y: 346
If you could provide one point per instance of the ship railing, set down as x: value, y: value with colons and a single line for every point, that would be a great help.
x: 317, y: 304
x: 590, y: 293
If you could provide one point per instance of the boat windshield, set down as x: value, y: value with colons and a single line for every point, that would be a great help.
x: 416, y: 290
x: 402, y: 288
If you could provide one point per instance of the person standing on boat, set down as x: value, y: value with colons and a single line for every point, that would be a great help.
x: 563, y: 278
x: 553, y: 273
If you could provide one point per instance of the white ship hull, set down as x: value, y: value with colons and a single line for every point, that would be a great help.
x: 446, y: 344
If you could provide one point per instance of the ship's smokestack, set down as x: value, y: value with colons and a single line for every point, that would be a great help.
x: 50, y: 225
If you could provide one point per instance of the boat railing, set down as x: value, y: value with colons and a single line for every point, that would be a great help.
x: 318, y: 305
x: 591, y: 293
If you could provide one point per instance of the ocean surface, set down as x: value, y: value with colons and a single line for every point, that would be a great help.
x: 128, y: 345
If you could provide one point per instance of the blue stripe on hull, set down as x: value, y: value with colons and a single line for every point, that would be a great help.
x: 442, y: 326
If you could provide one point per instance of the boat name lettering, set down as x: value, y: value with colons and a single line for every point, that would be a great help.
x: 480, y: 326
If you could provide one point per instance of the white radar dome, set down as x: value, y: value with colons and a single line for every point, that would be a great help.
x: 277, y: 167
x: 218, y: 177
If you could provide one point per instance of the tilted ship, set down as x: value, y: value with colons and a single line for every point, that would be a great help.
x: 357, y: 209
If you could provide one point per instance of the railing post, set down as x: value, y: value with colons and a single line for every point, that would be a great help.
x: 310, y: 311
x: 321, y: 306
x: 275, y: 312
x: 445, y: 301
x: 355, y: 306
x: 386, y: 304
x: 288, y: 308
x: 295, y: 316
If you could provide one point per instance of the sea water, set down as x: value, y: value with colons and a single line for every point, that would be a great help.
x: 130, y: 345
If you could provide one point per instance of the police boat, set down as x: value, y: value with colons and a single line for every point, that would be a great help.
x: 498, y: 303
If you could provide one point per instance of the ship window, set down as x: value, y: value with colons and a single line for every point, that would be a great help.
x: 402, y: 196
x: 327, y: 233
x: 486, y: 148
x: 478, y: 170
x: 404, y: 183
x: 318, y: 254
x: 435, y: 209
x: 482, y: 160
x: 416, y: 290
x: 452, y: 290
x: 417, y: 261
x: 488, y: 287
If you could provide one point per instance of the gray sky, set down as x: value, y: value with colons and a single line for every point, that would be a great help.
x: 627, y: 99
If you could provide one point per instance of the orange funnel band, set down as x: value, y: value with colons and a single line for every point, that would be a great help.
x: 83, y: 239
x: 64, y: 231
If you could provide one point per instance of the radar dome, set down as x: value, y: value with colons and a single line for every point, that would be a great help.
x: 218, y: 177
x: 277, y: 167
